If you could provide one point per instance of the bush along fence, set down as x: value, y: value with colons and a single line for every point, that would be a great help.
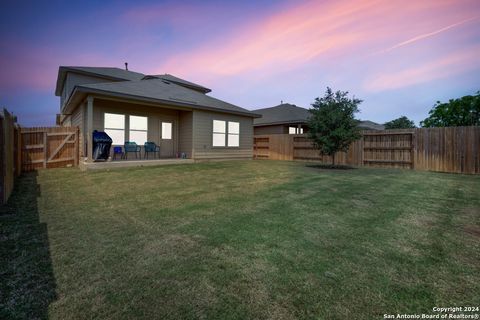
x: 451, y: 149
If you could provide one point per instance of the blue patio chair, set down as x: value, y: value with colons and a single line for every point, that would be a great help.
x: 119, y: 151
x: 151, y: 147
x: 132, y: 147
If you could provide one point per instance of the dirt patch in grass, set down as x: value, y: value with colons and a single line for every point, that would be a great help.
x: 473, y: 230
x: 330, y: 166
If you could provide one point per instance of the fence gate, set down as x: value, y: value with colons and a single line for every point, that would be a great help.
x: 49, y: 147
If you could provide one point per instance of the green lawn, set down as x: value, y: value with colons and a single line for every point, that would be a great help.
x: 239, y: 240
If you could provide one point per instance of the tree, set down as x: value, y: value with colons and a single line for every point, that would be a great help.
x: 400, y: 123
x: 332, y: 125
x: 464, y: 111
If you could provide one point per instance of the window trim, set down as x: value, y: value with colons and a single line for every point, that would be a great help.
x: 136, y: 130
x: 224, y: 133
x: 105, y: 128
x: 233, y: 134
x: 171, y: 130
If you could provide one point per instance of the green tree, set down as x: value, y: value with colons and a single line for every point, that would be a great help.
x: 400, y: 123
x: 464, y: 111
x: 332, y: 124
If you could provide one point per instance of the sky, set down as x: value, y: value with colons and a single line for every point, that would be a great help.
x: 398, y: 56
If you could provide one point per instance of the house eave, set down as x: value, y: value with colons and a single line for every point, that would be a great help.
x: 79, y: 93
x: 302, y: 121
x: 62, y: 75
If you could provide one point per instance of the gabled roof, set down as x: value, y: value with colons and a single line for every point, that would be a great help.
x: 160, y: 91
x: 283, y: 113
x: 179, y: 81
x: 112, y: 73
x: 370, y: 125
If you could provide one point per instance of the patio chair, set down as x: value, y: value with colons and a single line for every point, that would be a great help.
x: 117, y: 151
x: 151, y: 147
x: 132, y: 147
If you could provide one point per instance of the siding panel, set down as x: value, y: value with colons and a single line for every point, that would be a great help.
x: 168, y: 148
x: 185, y: 131
x: 202, y: 136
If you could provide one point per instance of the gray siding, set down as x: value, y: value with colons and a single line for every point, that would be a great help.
x: 156, y: 115
x: 185, y: 132
x: 77, y: 120
x: 74, y: 79
x: 203, y: 136
x: 278, y: 129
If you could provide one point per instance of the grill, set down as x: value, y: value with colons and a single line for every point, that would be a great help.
x: 101, y: 146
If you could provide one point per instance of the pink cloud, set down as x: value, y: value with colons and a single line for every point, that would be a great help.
x: 427, y: 35
x: 443, y: 67
x: 315, y: 31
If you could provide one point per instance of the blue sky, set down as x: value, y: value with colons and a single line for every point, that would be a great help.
x: 399, y: 57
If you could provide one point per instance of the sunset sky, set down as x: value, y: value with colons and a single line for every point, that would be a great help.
x: 400, y: 57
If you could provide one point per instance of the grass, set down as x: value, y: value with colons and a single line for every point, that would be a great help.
x: 239, y: 240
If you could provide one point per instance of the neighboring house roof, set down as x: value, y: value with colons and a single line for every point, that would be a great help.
x: 159, y: 91
x: 370, y: 125
x: 104, y: 72
x: 179, y: 81
x: 283, y: 113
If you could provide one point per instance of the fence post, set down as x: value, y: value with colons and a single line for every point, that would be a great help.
x: 2, y: 159
x: 45, y: 144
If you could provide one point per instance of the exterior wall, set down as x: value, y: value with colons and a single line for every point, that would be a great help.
x: 67, y: 121
x: 191, y: 133
x: 185, y: 133
x: 203, y: 136
x: 156, y: 115
x: 74, y: 79
x: 77, y: 119
x: 278, y: 129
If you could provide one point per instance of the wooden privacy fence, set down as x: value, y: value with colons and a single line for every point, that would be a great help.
x: 9, y: 156
x: 49, y: 147
x: 452, y: 149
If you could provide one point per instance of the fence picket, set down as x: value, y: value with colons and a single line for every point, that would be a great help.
x: 451, y: 149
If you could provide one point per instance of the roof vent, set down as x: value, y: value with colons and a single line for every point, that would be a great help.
x: 126, y: 66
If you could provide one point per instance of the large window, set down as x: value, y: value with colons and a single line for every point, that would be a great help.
x: 166, y: 130
x: 233, y: 134
x: 138, y: 129
x: 223, y: 137
x: 219, y: 133
x: 114, y: 126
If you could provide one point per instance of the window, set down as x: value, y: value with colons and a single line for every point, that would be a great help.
x: 218, y: 133
x: 233, y: 134
x: 114, y: 126
x: 295, y: 130
x: 166, y: 130
x: 221, y: 135
x: 138, y: 129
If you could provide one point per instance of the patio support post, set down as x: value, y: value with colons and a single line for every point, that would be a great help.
x: 89, y: 128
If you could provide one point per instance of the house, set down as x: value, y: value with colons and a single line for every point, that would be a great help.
x: 284, y: 118
x: 176, y: 114
x: 370, y: 125
x: 291, y: 119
